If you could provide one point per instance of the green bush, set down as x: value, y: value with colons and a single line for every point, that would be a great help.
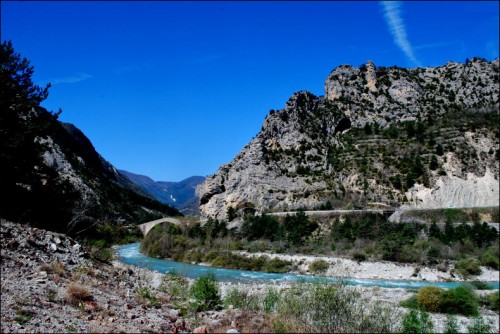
x: 358, y: 256
x: 429, y: 298
x: 490, y: 257
x: 193, y: 255
x: 492, y: 301
x: 479, y: 285
x: 451, y: 325
x: 270, y: 300
x: 461, y: 300
x: 277, y: 265
x: 411, y: 302
x: 323, y: 307
x: 468, y: 266
x: 175, y: 286
x: 242, y: 300
x: 417, y: 321
x: 99, y: 249
x: 478, y: 326
x: 318, y: 266
x: 490, y: 260
x: 145, y: 297
x: 210, y: 256
x: 205, y: 293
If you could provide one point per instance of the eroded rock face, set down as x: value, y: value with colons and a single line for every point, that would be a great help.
x: 305, y: 154
x: 371, y: 77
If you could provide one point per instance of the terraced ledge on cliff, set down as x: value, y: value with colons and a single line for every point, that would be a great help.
x: 422, y: 137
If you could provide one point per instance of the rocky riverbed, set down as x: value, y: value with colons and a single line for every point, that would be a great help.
x: 49, y: 284
x: 342, y: 267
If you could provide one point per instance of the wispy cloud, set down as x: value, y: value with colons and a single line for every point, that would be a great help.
x: 392, y: 14
x: 78, y: 77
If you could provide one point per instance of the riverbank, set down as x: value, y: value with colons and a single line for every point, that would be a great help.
x: 342, y: 267
x: 388, y: 297
x: 49, y: 284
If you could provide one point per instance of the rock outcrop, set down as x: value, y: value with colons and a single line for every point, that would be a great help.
x: 379, y: 135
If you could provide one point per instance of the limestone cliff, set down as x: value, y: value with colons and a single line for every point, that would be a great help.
x: 422, y: 137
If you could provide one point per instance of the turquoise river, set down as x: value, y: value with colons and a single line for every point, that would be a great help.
x: 130, y: 254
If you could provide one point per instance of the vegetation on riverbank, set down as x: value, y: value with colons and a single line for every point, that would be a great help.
x: 322, y: 307
x: 360, y: 237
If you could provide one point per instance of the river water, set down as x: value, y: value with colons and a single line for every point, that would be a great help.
x: 130, y: 254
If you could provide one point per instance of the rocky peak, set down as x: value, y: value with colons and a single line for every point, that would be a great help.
x: 346, y: 146
x: 371, y: 77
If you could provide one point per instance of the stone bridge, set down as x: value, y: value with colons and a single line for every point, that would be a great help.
x: 146, y: 227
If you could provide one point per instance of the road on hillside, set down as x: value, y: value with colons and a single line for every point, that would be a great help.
x: 382, y: 211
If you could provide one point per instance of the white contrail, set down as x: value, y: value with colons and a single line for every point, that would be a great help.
x: 397, y: 28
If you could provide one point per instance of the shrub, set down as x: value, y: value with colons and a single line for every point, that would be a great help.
x: 490, y: 260
x: 333, y: 247
x: 210, y: 256
x: 241, y: 300
x: 358, y: 256
x: 318, y: 266
x: 98, y: 250
x: 417, y: 321
x: 490, y: 257
x: 428, y: 298
x: 205, y: 293
x: 468, y: 266
x: 492, y: 301
x: 451, y: 325
x: 76, y: 293
x: 323, y: 307
x: 23, y: 316
x: 478, y: 326
x: 193, y: 255
x: 145, y: 297
x: 58, y: 267
x: 270, y: 300
x: 51, y: 295
x: 276, y: 265
x: 175, y: 286
x: 411, y: 302
x: 143, y: 292
x: 479, y: 285
x: 461, y: 300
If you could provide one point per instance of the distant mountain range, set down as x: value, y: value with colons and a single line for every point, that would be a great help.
x: 181, y: 195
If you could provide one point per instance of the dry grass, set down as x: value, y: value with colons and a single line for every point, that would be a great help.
x: 81, y: 272
x: 58, y: 267
x: 55, y: 267
x: 76, y: 293
x: 45, y: 267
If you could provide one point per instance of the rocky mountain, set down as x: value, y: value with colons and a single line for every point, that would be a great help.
x: 51, y: 175
x: 181, y: 195
x: 421, y: 137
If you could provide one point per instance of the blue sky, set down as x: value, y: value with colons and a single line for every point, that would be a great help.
x: 175, y: 89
